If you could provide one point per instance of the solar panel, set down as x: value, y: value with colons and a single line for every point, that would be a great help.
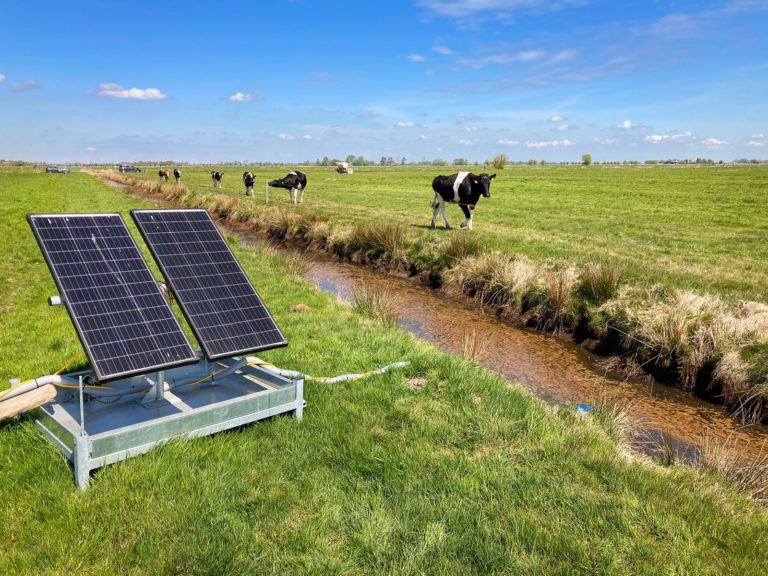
x: 122, y: 318
x: 221, y: 305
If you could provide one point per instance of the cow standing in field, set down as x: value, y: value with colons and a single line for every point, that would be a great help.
x: 216, y: 177
x: 177, y: 175
x: 163, y: 175
x: 248, y: 179
x: 463, y: 189
x: 294, y: 182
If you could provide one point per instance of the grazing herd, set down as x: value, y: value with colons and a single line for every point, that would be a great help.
x: 463, y: 188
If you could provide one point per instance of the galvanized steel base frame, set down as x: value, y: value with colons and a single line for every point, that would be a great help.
x: 93, y: 433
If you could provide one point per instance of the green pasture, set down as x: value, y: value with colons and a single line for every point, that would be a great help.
x: 468, y: 474
x: 693, y: 227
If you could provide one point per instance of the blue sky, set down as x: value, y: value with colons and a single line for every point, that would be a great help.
x: 299, y: 80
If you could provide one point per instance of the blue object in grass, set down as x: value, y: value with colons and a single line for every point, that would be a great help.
x: 583, y: 408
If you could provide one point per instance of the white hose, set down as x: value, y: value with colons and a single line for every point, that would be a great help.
x: 37, y: 383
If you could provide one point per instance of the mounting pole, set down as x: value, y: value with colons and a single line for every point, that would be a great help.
x: 266, y: 191
x: 81, y: 452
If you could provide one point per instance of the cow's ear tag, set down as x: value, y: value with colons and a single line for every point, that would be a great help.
x: 493, y: 176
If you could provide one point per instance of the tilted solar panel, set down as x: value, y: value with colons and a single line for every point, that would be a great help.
x: 121, y: 316
x: 221, y: 305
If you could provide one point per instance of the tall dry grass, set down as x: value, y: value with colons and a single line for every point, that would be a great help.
x: 726, y: 458
x: 375, y: 302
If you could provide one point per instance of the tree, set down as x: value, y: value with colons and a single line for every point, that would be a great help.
x: 500, y: 161
x: 402, y: 161
x: 586, y: 159
x: 533, y: 162
x: 383, y: 161
x: 459, y: 162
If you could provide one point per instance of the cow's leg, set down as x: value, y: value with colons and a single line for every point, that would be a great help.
x: 445, y: 217
x: 436, y: 205
x: 302, y: 195
x: 467, y: 216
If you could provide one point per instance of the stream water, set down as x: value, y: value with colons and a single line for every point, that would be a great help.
x: 664, y: 418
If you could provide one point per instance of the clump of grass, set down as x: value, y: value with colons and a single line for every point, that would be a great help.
x: 556, y: 311
x: 458, y: 247
x: 295, y: 264
x: 507, y: 284
x: 474, y: 346
x: 319, y: 233
x: 726, y: 458
x: 282, y: 223
x: 599, y: 281
x: 221, y: 205
x: 375, y: 302
x: 388, y: 241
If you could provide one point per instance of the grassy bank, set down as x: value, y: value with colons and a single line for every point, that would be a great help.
x: 611, y: 290
x: 437, y: 468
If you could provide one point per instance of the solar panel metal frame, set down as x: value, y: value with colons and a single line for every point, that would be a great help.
x: 182, y: 294
x: 67, y: 293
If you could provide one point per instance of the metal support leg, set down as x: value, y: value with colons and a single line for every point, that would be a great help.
x: 299, y: 412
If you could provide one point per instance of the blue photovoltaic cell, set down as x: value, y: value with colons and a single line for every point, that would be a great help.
x: 221, y: 305
x: 121, y: 316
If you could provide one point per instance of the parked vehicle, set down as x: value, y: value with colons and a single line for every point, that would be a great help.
x: 57, y: 170
x: 128, y: 168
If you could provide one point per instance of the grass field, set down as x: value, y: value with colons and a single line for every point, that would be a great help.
x: 663, y: 266
x: 465, y: 475
x: 702, y: 228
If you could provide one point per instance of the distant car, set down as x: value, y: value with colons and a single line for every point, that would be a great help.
x: 57, y: 169
x: 128, y: 168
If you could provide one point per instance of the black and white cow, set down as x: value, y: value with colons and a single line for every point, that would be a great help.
x: 463, y: 189
x: 177, y: 175
x: 294, y: 182
x: 216, y: 177
x: 163, y: 174
x: 248, y: 179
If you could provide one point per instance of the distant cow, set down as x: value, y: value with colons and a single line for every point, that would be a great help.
x: 163, y: 174
x: 177, y: 175
x: 248, y: 179
x: 216, y: 177
x: 463, y: 189
x: 294, y: 182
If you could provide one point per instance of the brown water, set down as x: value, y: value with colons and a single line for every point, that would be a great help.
x: 553, y: 370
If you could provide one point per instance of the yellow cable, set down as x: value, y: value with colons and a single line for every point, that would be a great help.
x: 4, y: 392
x: 68, y: 363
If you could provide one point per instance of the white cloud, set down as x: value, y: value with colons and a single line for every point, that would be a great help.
x: 563, y: 128
x: 240, y: 97
x: 424, y: 137
x: 556, y: 119
x: 407, y: 124
x: 307, y: 137
x: 442, y: 50
x: 714, y: 143
x: 755, y: 144
x: 465, y: 8
x: 27, y: 84
x: 471, y: 128
x: 509, y: 142
x: 429, y: 72
x: 2, y: 78
x: 551, y: 144
x: 658, y: 138
x: 467, y: 142
x: 109, y: 90
x: 416, y: 58
x: 757, y: 136
x: 286, y: 137
x: 91, y: 149
x: 627, y: 125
